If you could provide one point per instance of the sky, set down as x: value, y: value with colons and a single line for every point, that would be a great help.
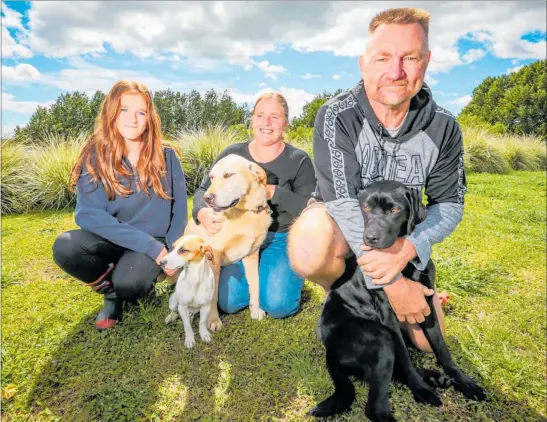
x: 300, y: 49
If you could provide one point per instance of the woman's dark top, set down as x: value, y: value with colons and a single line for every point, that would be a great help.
x: 293, y: 174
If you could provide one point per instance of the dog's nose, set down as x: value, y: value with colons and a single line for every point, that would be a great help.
x: 163, y: 262
x: 209, y: 199
x: 371, y: 239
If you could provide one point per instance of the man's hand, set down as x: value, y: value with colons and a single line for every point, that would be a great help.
x: 382, y: 265
x: 211, y: 220
x: 162, y: 255
x: 407, y: 298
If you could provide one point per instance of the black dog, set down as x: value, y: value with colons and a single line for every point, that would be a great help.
x: 360, y: 331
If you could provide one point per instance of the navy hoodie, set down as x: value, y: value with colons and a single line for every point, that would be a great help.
x: 139, y: 222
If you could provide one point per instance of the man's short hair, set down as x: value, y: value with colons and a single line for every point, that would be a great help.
x: 403, y: 15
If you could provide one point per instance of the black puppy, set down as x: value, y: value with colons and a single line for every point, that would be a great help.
x: 360, y: 331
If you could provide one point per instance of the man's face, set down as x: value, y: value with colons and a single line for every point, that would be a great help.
x: 394, y: 64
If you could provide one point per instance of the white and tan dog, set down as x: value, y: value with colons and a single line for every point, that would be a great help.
x: 195, y: 284
x: 238, y: 191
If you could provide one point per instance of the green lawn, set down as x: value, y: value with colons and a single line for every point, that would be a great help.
x: 493, y: 266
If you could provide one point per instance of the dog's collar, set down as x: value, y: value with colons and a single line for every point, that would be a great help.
x: 261, y: 208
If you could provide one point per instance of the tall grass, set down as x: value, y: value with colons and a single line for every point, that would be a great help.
x: 46, y: 167
x: 47, y: 186
x: 489, y: 153
x: 200, y: 148
x: 11, y: 183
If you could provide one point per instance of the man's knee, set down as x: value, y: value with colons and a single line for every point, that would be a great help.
x: 310, y: 241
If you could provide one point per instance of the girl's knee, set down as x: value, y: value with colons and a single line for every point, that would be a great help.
x: 132, y: 288
x: 64, y: 249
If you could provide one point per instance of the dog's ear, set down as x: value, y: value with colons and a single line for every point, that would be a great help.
x: 259, y: 172
x: 417, y: 212
x: 207, y: 251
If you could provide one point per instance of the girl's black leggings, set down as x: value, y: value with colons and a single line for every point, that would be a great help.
x: 86, y: 256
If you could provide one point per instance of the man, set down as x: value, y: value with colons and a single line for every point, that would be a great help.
x: 386, y: 128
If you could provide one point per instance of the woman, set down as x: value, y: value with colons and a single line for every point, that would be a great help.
x: 131, y: 203
x: 291, y: 180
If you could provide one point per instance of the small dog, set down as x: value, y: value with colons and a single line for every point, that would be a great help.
x: 194, y: 285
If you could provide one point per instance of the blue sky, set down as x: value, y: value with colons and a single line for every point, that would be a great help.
x: 298, y: 48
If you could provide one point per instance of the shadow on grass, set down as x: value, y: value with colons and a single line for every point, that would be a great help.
x: 141, y: 370
x: 269, y: 370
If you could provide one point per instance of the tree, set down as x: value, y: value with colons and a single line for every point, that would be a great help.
x: 517, y: 101
x: 309, y: 111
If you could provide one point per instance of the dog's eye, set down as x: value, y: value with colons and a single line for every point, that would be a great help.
x: 227, y: 175
x: 366, y: 209
x: 182, y: 250
x: 395, y: 210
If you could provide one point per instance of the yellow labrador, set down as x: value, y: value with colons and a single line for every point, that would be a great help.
x: 238, y: 191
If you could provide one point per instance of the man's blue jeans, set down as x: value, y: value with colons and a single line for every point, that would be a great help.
x: 280, y: 287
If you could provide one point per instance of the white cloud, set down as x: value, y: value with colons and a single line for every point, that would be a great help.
x: 21, y: 73
x: 270, y: 75
x: 473, y: 55
x: 335, y: 77
x: 513, y: 69
x: 11, y: 48
x: 11, y: 18
x: 8, y: 131
x: 9, y: 103
x: 462, y: 101
x: 201, y: 34
x: 262, y: 85
x: 296, y: 98
x: 310, y: 76
x: 430, y: 80
x: 266, y: 67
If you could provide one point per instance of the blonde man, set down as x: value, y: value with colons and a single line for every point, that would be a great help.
x: 386, y: 128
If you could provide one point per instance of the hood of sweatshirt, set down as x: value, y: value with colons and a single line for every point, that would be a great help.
x: 421, y: 112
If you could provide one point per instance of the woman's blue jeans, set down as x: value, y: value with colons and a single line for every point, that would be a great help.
x: 280, y: 287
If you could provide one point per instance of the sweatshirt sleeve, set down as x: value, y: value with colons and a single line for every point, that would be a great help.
x: 445, y: 189
x: 91, y: 214
x: 338, y: 176
x: 294, y: 200
x: 179, y: 208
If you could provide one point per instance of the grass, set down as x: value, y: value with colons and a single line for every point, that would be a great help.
x: 493, y: 266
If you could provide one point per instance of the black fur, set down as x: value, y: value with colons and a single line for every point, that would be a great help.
x: 360, y: 331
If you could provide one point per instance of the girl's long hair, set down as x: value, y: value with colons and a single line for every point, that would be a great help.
x: 102, y: 154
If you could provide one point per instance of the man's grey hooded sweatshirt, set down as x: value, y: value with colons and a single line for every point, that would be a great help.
x: 351, y: 149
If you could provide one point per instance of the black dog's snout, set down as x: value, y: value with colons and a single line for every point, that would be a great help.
x: 209, y: 199
x: 371, y: 239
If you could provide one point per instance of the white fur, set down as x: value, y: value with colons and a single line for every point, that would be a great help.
x: 193, y: 293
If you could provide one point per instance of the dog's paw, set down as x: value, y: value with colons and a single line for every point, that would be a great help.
x: 171, y: 317
x: 257, y: 313
x: 378, y: 416
x: 214, y: 323
x: 470, y: 389
x: 189, y: 341
x: 329, y: 407
x: 434, y: 378
x: 427, y: 395
x: 205, y: 336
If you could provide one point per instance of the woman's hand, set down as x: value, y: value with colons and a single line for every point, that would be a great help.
x: 211, y: 220
x: 162, y: 255
x: 270, y: 190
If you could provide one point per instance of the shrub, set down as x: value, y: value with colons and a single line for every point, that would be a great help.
x: 12, y: 182
x: 48, y: 179
x: 200, y: 147
x: 520, y: 158
x: 481, y: 157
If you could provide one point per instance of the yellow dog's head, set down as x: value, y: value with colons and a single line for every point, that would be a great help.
x: 236, y: 182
